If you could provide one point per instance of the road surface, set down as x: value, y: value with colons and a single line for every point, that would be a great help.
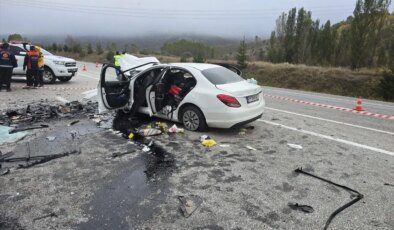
x: 241, y: 188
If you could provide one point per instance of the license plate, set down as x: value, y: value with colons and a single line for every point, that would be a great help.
x: 253, y: 98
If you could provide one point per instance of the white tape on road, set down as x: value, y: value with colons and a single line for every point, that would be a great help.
x: 332, y: 121
x: 330, y: 138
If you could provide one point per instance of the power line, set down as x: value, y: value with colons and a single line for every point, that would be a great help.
x: 142, y: 11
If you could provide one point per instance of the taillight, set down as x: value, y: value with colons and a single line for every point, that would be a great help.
x: 229, y: 100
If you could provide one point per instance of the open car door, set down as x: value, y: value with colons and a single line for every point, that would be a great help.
x: 113, y: 89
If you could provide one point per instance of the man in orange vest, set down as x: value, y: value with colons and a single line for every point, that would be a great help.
x: 32, y: 73
x: 7, y: 63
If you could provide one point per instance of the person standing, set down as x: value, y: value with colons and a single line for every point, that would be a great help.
x: 7, y: 64
x: 31, y: 63
x: 40, y: 68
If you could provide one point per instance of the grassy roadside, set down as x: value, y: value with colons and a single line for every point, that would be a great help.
x: 330, y: 80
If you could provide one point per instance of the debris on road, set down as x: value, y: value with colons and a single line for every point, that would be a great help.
x: 358, y: 195
x: 301, y: 207
x: 73, y: 123
x: 189, y: 204
x: 207, y: 141
x: 35, y: 160
x: 4, y: 172
x: 119, y: 154
x: 52, y: 214
x: 294, y: 146
x: 6, y: 137
x: 20, y: 129
x: 148, y: 132
x: 387, y: 184
x: 224, y: 146
x: 250, y: 148
x: 175, y: 129
x: 51, y: 138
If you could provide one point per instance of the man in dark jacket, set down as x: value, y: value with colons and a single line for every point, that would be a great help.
x: 31, y: 62
x: 7, y: 64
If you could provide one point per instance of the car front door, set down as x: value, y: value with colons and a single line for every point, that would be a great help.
x: 113, y: 89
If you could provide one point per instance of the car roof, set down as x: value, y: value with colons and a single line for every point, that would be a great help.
x: 199, y: 66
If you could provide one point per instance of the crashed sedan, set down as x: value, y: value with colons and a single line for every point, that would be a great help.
x: 195, y: 94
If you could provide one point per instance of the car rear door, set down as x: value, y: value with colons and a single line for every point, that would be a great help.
x: 113, y: 89
x: 151, y: 92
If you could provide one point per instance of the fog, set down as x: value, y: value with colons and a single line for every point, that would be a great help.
x: 235, y: 18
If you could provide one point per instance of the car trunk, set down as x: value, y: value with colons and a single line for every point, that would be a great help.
x: 240, y: 89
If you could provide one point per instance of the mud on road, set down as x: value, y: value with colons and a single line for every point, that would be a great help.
x: 240, y: 187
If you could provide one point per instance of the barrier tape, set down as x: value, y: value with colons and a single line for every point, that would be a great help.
x: 383, y: 116
x: 59, y: 88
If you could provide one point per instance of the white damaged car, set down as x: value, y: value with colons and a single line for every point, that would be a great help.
x: 196, y: 95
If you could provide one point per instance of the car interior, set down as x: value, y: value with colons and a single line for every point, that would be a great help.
x: 171, y: 89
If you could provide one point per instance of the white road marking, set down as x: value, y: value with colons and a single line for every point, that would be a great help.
x: 330, y: 138
x: 332, y: 121
x: 314, y: 94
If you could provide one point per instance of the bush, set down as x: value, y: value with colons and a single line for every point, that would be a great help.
x: 386, y: 86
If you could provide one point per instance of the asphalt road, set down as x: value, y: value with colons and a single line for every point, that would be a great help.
x: 241, y: 188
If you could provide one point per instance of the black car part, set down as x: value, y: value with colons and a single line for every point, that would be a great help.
x: 358, y: 196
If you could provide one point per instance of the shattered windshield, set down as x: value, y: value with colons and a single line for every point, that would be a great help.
x: 221, y: 75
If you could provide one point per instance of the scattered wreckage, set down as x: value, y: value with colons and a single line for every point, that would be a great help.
x: 197, y: 95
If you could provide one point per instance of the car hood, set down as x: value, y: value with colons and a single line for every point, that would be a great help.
x: 58, y: 58
x: 240, y: 89
x: 129, y: 61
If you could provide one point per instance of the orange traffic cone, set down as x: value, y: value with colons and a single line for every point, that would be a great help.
x: 359, y: 106
x: 84, y: 68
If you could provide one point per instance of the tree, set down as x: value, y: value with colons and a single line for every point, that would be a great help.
x: 54, y: 47
x: 241, y: 55
x: 90, y: 49
x: 110, y: 56
x: 15, y: 37
x: 289, y: 43
x: 367, y: 23
x: 3, y: 40
x: 99, y: 48
x: 199, y: 58
x: 65, y: 48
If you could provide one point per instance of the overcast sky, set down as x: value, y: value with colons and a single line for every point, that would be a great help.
x: 234, y: 18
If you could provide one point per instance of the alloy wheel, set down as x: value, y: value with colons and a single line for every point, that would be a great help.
x: 191, y: 120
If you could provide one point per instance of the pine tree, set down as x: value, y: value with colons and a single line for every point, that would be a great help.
x: 241, y: 55
x: 99, y: 48
x: 90, y: 49
x: 54, y: 47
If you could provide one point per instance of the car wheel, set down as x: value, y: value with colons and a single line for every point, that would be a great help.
x: 64, y: 79
x: 193, y: 119
x: 49, y: 77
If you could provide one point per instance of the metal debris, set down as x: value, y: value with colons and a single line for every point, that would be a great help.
x: 301, y: 207
x: 294, y: 146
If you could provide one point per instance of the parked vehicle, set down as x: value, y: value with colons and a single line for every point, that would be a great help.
x: 56, y: 67
x: 197, y: 95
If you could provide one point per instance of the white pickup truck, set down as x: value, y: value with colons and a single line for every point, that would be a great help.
x: 56, y: 67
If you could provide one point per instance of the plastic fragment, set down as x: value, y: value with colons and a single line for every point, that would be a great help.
x: 131, y: 136
x: 208, y: 143
x: 250, y: 148
x: 175, y: 129
x: 294, y: 146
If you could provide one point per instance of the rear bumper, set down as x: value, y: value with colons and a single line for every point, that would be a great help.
x: 232, y: 117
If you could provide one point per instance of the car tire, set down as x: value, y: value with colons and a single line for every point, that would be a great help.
x: 49, y: 77
x: 193, y: 119
x: 64, y: 79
